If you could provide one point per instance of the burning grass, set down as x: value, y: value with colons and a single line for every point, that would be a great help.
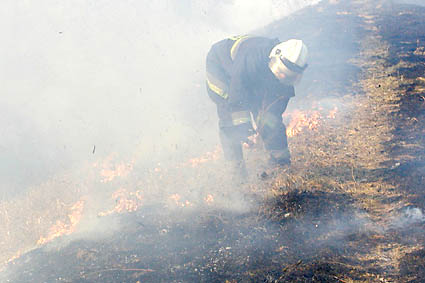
x: 29, y: 220
x: 204, y: 245
x: 337, y: 215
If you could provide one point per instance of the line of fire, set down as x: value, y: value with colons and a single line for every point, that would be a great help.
x: 346, y: 204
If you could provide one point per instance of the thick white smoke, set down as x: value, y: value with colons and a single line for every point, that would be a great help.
x: 124, y: 76
x: 414, y: 2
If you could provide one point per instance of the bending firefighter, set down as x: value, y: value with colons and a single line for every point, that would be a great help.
x: 254, y: 75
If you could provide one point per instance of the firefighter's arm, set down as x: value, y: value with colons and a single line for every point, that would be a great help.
x: 241, y: 120
x: 237, y: 91
x: 241, y: 117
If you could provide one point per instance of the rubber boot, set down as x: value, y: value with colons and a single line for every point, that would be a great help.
x: 280, y: 157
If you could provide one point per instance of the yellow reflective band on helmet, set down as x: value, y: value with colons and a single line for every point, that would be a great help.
x: 241, y: 117
x: 217, y: 90
x: 235, y: 47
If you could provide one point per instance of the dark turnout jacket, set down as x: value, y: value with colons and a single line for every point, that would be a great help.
x: 243, y: 68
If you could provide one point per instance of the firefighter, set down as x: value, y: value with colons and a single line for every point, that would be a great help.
x: 254, y: 77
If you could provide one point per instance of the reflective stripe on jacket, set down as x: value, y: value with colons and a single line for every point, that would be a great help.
x: 237, y: 70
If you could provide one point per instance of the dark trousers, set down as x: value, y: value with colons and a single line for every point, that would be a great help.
x: 267, y: 112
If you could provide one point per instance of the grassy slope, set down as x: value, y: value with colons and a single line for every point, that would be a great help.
x: 376, y: 153
x: 338, y: 215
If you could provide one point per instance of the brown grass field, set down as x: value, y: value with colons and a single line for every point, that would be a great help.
x: 349, y: 209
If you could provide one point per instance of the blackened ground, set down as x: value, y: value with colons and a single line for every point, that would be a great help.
x: 407, y: 57
x: 412, y: 266
x: 207, y: 246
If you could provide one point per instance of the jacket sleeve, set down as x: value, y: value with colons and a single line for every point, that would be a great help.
x: 237, y: 88
x: 247, y: 75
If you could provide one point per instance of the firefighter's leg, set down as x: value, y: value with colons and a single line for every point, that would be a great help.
x: 232, y: 148
x: 217, y: 82
x: 230, y: 141
x: 273, y: 132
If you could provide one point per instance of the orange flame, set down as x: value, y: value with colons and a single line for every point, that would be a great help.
x: 332, y: 113
x: 18, y: 255
x: 125, y: 202
x: 209, y: 199
x: 301, y: 120
x: 109, y: 171
x: 65, y: 228
x: 176, y: 199
x: 311, y: 119
x: 208, y: 156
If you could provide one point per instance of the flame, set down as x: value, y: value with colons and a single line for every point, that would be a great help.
x: 176, y: 199
x: 309, y: 119
x: 109, y: 171
x: 131, y: 201
x: 332, y: 113
x: 65, y: 228
x: 125, y: 201
x: 301, y: 120
x: 18, y: 255
x: 209, y: 199
x: 208, y: 156
x: 251, y: 141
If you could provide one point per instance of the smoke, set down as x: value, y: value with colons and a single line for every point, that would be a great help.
x: 85, y: 79
x: 81, y: 80
x: 409, y: 215
x: 415, y: 2
x: 242, y: 16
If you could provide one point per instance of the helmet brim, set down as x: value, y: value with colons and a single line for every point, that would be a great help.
x: 286, y: 75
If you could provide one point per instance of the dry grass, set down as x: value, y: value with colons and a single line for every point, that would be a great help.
x: 350, y: 170
x: 28, y: 218
x: 354, y: 154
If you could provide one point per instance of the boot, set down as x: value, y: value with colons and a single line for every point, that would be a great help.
x: 280, y: 158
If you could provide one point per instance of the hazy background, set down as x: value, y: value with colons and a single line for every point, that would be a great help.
x: 82, y: 79
x: 415, y: 2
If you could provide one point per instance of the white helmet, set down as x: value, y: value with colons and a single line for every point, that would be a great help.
x: 288, y: 60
